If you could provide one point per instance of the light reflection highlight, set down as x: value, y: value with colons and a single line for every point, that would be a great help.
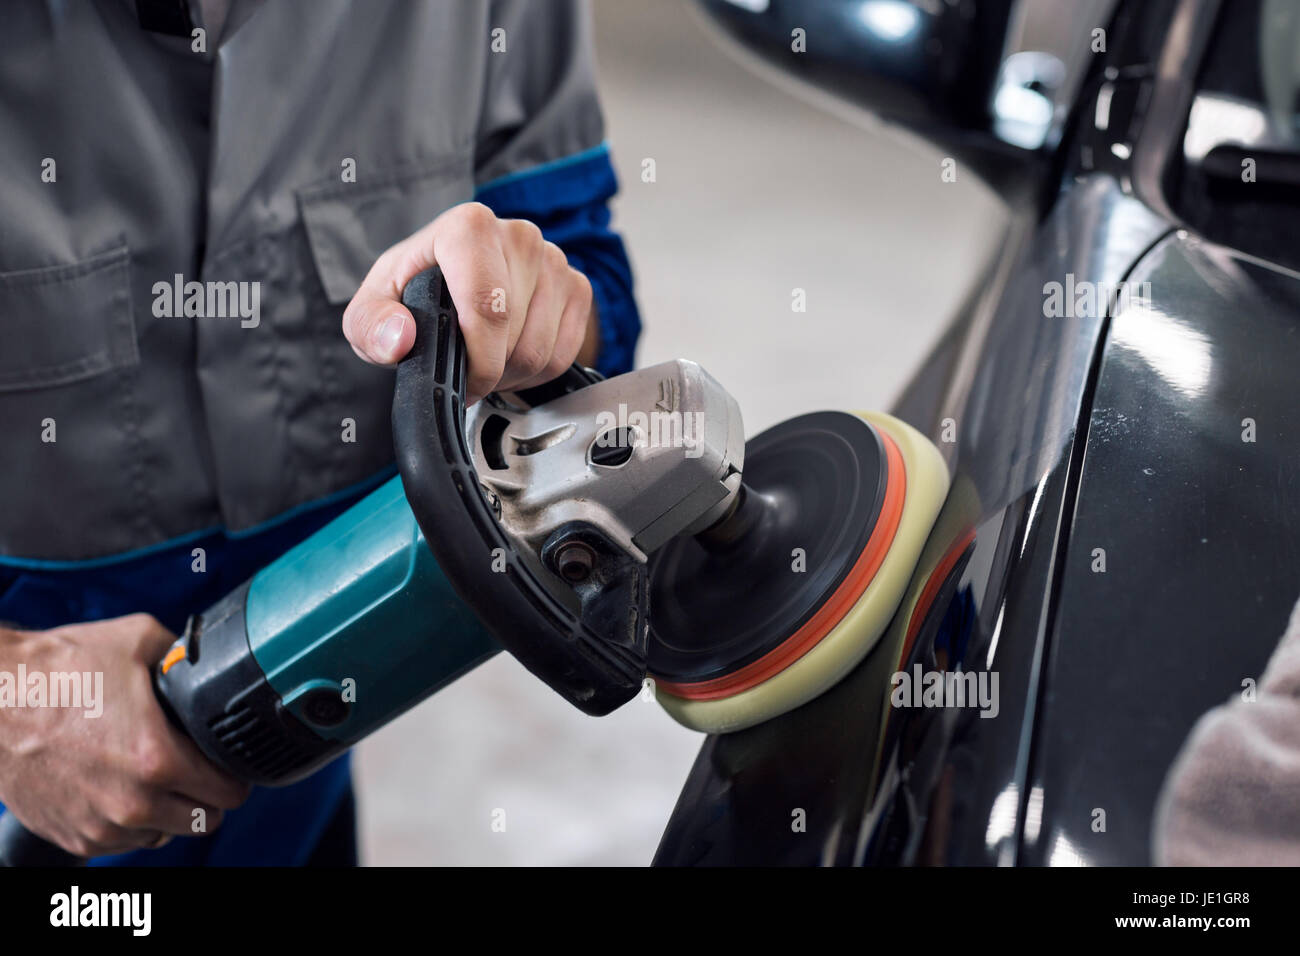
x: 1178, y: 354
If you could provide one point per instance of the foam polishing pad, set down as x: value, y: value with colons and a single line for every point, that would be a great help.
x: 937, y: 571
x: 784, y: 597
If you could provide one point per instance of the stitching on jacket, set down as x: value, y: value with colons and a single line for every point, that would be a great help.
x: 119, y: 257
x: 331, y: 191
x: 121, y: 322
x: 393, y: 176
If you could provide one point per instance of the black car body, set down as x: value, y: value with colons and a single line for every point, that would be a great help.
x: 1122, y: 539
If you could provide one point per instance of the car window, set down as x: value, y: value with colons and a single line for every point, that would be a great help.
x: 1237, y: 180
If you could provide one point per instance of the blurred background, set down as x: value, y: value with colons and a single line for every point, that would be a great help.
x: 759, y: 191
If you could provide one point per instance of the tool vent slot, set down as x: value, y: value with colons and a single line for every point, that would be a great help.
x: 262, y: 747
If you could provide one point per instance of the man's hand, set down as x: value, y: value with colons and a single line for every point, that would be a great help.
x: 525, y: 313
x: 107, y: 784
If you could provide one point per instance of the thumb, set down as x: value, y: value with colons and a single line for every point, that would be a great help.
x: 380, y: 329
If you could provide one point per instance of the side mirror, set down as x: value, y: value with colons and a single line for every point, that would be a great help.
x: 989, y: 82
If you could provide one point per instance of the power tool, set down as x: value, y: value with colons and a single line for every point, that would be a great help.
x: 603, y: 531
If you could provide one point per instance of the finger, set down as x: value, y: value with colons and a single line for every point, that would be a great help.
x: 572, y: 332
x: 202, y: 783
x: 125, y: 841
x: 144, y: 812
x: 167, y: 760
x: 525, y: 251
x: 531, y: 355
x: 177, y: 815
x: 490, y: 300
x: 589, y: 346
x: 381, y: 330
x: 100, y: 836
x: 73, y: 834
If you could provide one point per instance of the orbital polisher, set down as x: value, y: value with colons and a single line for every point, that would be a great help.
x: 601, y: 530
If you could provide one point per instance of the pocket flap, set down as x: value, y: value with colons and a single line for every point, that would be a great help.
x: 350, y: 224
x: 66, y: 323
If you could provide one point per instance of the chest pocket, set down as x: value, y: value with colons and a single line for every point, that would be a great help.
x: 65, y: 323
x: 350, y: 224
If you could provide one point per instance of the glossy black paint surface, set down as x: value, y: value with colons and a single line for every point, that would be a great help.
x: 1200, y: 530
x: 1015, y: 421
x: 1057, y: 421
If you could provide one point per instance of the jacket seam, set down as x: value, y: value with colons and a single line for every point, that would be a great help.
x: 119, y: 257
x: 393, y: 176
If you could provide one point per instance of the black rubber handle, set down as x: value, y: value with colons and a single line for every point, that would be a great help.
x: 591, y: 647
x: 19, y: 846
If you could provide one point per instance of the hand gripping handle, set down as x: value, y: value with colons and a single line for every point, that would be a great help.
x: 593, y: 657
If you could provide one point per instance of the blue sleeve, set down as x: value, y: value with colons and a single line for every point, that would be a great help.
x: 569, y: 200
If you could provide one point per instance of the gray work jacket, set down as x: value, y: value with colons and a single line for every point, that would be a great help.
x: 310, y: 136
